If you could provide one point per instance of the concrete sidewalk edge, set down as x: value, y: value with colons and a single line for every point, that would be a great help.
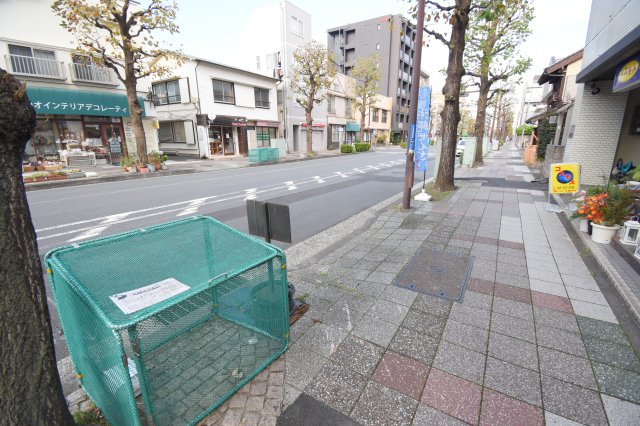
x: 630, y: 299
x: 302, y: 252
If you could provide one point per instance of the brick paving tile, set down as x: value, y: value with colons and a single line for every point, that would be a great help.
x: 487, y: 240
x: 402, y: 374
x: 513, y: 350
x: 514, y: 293
x: 566, y: 367
x: 381, y: 406
x: 428, y: 416
x: 511, y: 244
x: 481, y: 286
x: 573, y: 402
x: 454, y: 396
x: 498, y: 410
x: 551, y: 302
x: 337, y: 386
x: 514, y: 381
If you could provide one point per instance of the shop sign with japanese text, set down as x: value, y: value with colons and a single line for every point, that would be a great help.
x: 564, y: 178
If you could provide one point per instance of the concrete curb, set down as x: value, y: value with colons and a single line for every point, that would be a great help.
x: 299, y: 254
x: 88, y: 181
x: 630, y: 299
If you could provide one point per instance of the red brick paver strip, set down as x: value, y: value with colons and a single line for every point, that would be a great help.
x: 481, y: 286
x: 452, y: 395
x: 498, y: 410
x: 402, y: 374
x: 487, y: 240
x: 514, y: 293
x: 552, y: 302
x: 512, y: 244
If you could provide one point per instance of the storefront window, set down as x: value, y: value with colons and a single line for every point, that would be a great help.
x: 264, y: 136
x: 172, y: 132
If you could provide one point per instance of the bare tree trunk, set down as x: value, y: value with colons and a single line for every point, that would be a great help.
x: 451, y: 91
x: 309, y: 131
x: 493, y: 122
x: 362, y: 121
x: 29, y: 383
x: 481, y: 115
x: 135, y: 111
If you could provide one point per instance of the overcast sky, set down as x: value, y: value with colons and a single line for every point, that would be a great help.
x: 221, y: 30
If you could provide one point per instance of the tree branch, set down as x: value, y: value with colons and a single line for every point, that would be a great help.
x: 439, y: 6
x: 438, y: 36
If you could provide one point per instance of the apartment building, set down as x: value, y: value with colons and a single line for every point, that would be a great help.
x: 82, y: 110
x: 273, y: 54
x: 207, y: 109
x: 344, y: 118
x: 391, y: 38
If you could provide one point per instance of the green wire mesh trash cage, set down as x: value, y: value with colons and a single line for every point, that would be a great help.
x: 172, y: 319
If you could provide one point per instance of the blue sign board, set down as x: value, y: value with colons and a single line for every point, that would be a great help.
x: 628, y: 75
x: 421, y: 146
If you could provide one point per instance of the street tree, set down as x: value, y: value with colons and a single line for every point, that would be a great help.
x: 367, y: 76
x: 121, y: 35
x: 29, y: 382
x: 491, y: 54
x: 312, y: 74
x: 447, y: 22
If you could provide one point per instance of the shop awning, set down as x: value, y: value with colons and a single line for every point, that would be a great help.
x: 353, y: 127
x: 47, y: 100
x: 227, y: 120
x: 549, y: 113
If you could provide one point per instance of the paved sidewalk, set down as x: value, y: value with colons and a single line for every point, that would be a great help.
x: 533, y: 341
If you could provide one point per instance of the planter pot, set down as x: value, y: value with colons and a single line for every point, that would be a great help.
x: 151, y: 167
x: 584, y: 225
x: 157, y: 165
x: 144, y: 170
x: 57, y: 177
x: 28, y: 168
x: 133, y: 169
x: 164, y: 167
x: 40, y: 168
x: 603, y: 234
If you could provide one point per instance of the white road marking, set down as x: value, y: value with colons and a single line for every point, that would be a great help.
x: 96, y: 225
x: 94, y: 232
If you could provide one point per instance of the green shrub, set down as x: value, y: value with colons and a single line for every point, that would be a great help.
x: 403, y: 144
x: 528, y: 129
x: 346, y: 149
x: 362, y: 147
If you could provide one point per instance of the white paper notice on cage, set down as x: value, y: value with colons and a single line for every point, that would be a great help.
x: 143, y: 297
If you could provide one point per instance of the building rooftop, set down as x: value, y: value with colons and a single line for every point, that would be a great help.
x: 558, y: 65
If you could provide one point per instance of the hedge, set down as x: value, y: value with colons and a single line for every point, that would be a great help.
x: 346, y: 149
x: 362, y: 147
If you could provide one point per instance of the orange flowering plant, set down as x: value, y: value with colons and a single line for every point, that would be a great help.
x: 592, y: 207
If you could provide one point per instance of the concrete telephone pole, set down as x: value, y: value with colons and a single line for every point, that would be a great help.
x: 413, y: 112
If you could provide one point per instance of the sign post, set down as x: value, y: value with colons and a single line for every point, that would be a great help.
x: 421, y: 148
x: 564, y: 178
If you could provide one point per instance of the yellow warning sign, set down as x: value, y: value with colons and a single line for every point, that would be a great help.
x: 564, y: 178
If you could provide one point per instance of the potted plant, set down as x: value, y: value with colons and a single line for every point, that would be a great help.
x: 155, y: 159
x: 582, y: 211
x: 127, y: 162
x: 608, y: 212
x: 163, y: 160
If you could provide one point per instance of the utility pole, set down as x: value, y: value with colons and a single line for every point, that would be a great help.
x: 413, y: 112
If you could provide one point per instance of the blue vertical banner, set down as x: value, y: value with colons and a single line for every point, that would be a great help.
x: 421, y: 138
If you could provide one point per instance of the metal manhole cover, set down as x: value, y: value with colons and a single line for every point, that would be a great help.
x: 437, y: 273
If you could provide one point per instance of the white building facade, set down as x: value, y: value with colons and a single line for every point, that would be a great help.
x: 82, y: 110
x: 605, y: 124
x: 207, y: 109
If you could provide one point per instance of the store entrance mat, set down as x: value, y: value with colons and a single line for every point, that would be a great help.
x: 437, y: 273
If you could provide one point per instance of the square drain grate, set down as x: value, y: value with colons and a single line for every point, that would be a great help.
x: 437, y: 273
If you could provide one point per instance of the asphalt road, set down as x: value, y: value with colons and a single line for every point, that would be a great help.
x: 320, y: 193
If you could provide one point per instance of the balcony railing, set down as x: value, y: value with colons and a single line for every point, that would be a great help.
x: 92, y: 73
x: 37, y: 67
